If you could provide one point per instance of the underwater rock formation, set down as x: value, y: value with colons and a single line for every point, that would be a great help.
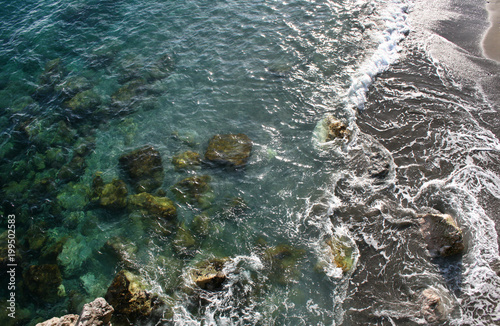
x: 114, y: 195
x: 44, y: 281
x: 282, y: 262
x: 441, y: 234
x: 194, y: 190
x: 130, y: 300
x: 153, y: 205
x: 208, y: 275
x: 186, y: 160
x: 229, y: 150
x: 144, y: 167
x: 85, y: 102
x: 121, y: 248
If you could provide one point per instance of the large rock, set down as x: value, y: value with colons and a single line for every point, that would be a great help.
x: 130, y: 300
x: 152, y: 205
x: 441, y: 234
x: 209, y: 275
x: 44, y: 281
x: 229, y: 150
x: 114, y: 195
x: 67, y: 320
x: 336, y: 129
x: 96, y: 313
x: 432, y: 308
x: 144, y: 167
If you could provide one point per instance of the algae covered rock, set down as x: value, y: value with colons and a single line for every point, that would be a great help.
x: 186, y: 160
x: 184, y: 241
x: 84, y: 102
x: 194, y: 190
x: 73, y: 85
x: 44, y: 281
x: 114, y: 195
x: 336, y: 129
x: 282, y: 262
x: 209, y: 275
x: 441, y: 234
x: 342, y: 252
x: 144, y: 167
x: 229, y: 150
x: 130, y: 300
x: 152, y: 205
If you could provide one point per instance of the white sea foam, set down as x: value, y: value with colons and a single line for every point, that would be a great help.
x: 395, y: 27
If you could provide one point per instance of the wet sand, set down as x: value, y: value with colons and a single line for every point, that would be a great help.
x: 491, y: 39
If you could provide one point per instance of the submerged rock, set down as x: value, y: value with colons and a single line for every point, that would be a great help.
x: 73, y: 85
x: 282, y: 262
x: 441, y: 234
x: 96, y: 313
x: 194, y: 190
x: 66, y: 320
x: 144, y: 167
x: 44, y: 281
x: 432, y: 308
x: 184, y: 242
x: 209, y: 275
x: 85, y: 102
x: 130, y: 300
x: 114, y: 195
x: 152, y: 205
x: 229, y: 150
x: 186, y: 160
x: 121, y: 248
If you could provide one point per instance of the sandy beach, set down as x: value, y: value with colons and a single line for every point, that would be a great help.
x: 491, y: 39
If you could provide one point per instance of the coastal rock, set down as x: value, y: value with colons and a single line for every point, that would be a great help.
x: 129, y: 299
x: 342, y: 253
x: 282, y: 262
x: 186, y: 160
x: 96, y: 313
x: 432, y: 307
x: 336, y: 129
x: 44, y: 281
x: 67, y: 320
x: 194, y: 190
x: 114, y: 195
x: 144, y: 167
x: 152, y: 205
x: 209, y: 275
x: 229, y: 150
x: 441, y: 234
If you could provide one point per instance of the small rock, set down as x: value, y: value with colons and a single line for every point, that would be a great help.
x: 85, y: 102
x: 186, y: 160
x: 67, y: 320
x: 193, y: 190
x: 229, y: 150
x: 96, y: 313
x: 336, y: 129
x: 144, y: 167
x: 442, y: 234
x: 433, y: 308
x: 114, y: 195
x: 209, y: 276
x: 156, y: 206
x: 342, y: 253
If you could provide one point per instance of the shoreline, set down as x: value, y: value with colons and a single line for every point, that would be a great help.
x: 490, y: 43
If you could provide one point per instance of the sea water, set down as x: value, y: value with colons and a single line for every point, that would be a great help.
x: 273, y: 70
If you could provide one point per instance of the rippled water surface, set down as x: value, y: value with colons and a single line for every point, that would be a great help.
x: 84, y: 82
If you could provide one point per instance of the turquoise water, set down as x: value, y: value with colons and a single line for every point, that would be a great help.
x: 171, y: 74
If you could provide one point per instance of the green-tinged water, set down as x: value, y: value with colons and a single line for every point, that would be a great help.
x: 302, y: 231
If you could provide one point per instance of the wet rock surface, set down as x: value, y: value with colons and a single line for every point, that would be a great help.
x: 144, y: 168
x: 96, y: 313
x: 229, y: 150
x: 67, y: 320
x: 153, y: 205
x: 442, y: 235
x: 336, y: 129
x: 114, y: 195
x: 193, y: 190
x: 186, y: 160
x: 209, y: 275
x: 433, y: 309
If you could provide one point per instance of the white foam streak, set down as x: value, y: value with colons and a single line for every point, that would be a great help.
x: 387, y: 52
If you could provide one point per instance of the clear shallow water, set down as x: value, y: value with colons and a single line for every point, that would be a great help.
x: 271, y: 70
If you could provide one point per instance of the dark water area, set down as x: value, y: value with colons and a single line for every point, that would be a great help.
x: 108, y: 109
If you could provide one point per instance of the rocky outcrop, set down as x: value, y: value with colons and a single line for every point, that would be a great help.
x: 432, y: 306
x: 209, y: 275
x: 130, y: 300
x: 342, y: 254
x: 67, y: 320
x: 153, y: 205
x: 441, y: 234
x: 336, y: 129
x: 229, y: 150
x: 96, y: 313
x: 144, y: 168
